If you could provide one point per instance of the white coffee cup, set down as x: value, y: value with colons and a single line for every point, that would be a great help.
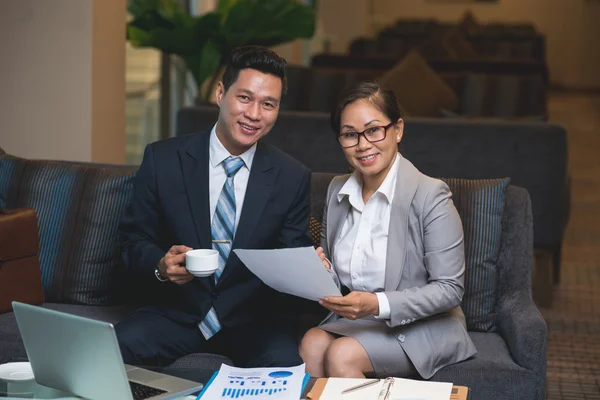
x: 202, y: 262
x: 19, y: 379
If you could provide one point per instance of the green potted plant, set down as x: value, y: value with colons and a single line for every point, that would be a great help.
x: 204, y: 42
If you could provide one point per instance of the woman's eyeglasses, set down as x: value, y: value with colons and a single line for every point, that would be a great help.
x: 372, y: 134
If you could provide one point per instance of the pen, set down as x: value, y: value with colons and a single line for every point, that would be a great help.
x: 362, y: 385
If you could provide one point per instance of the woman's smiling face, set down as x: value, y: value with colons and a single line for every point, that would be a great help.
x: 378, y: 138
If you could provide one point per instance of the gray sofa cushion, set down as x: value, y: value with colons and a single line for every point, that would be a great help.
x: 502, y: 95
x: 491, y: 373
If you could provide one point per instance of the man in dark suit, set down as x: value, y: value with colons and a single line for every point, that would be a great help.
x: 224, y: 185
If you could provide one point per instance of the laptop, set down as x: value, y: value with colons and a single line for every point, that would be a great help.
x: 81, y: 356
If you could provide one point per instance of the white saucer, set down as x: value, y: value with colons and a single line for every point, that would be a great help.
x: 201, y: 274
x: 16, y: 372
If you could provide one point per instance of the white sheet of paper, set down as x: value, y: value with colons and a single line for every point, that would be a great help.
x: 335, y: 386
x: 256, y: 383
x: 410, y: 389
x: 402, y: 389
x: 297, y: 271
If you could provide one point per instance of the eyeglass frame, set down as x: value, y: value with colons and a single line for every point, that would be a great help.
x: 359, y: 134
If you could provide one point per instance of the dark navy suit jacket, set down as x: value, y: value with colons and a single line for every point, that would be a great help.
x: 170, y: 206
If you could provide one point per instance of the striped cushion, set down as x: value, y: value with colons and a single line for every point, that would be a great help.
x: 480, y: 204
x: 78, y: 206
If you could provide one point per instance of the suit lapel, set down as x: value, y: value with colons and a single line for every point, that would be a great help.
x: 407, y: 183
x: 336, y: 213
x: 195, y: 166
x: 260, y: 185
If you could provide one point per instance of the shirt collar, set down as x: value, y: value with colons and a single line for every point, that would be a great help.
x: 353, y: 187
x: 218, y: 153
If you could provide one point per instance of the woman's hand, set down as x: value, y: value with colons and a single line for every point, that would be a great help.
x: 353, y: 306
x: 321, y: 255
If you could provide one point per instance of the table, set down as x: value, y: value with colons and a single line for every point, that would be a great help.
x: 36, y: 391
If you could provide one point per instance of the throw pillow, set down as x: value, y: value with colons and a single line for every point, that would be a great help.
x: 78, y: 206
x: 480, y: 204
x: 420, y: 91
x: 95, y: 262
x: 8, y: 179
x: 315, y: 231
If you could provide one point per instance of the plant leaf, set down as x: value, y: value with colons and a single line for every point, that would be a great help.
x: 267, y: 23
x: 224, y: 6
x: 204, y: 65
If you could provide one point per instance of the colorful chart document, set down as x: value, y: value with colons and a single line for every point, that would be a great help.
x: 256, y: 383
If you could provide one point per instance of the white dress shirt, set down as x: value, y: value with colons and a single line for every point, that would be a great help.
x: 360, y: 249
x: 217, y: 175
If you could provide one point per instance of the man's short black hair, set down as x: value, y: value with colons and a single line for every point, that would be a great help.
x: 254, y: 57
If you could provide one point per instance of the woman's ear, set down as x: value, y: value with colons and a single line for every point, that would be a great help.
x: 399, y: 129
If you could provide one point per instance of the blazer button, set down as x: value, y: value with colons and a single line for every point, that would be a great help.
x: 401, y: 338
x: 403, y: 322
x: 215, y: 295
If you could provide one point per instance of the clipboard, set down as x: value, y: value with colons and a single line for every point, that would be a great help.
x: 458, y: 392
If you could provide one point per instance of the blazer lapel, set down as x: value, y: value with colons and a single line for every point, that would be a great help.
x: 260, y: 185
x: 407, y: 183
x: 195, y: 166
x: 336, y: 213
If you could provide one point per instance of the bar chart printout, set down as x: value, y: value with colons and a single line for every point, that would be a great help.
x: 256, y: 383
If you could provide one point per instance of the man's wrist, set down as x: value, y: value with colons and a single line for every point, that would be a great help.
x: 159, y: 276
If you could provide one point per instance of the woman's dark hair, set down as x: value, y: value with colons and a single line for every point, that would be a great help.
x: 254, y: 57
x: 384, y: 100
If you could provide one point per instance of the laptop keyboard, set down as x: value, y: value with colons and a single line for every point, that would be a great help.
x: 141, y: 392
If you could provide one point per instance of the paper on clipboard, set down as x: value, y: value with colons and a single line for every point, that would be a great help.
x: 296, y: 271
x: 400, y: 389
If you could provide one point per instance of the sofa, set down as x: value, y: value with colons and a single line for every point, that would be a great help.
x: 532, y: 154
x: 79, y: 205
x: 484, y: 42
x: 486, y: 88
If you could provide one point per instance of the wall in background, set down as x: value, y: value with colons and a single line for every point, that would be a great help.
x: 108, y: 81
x: 62, y: 90
x: 571, y: 27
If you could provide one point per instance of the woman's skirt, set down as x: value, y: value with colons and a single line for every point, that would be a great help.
x: 384, y: 350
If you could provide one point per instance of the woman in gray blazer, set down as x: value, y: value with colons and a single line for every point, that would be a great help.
x: 395, y: 242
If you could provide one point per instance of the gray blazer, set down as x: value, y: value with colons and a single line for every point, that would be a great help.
x: 424, y: 269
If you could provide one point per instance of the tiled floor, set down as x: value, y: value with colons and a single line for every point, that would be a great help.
x: 574, y: 318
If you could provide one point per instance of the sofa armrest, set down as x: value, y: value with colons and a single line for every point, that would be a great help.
x: 518, y: 319
x: 525, y: 332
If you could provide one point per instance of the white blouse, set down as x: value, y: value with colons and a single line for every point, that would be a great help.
x: 360, y: 252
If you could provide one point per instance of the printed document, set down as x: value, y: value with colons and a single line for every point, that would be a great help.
x: 297, y: 271
x: 256, y: 383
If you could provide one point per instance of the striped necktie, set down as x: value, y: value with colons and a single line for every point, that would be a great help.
x: 223, y: 229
